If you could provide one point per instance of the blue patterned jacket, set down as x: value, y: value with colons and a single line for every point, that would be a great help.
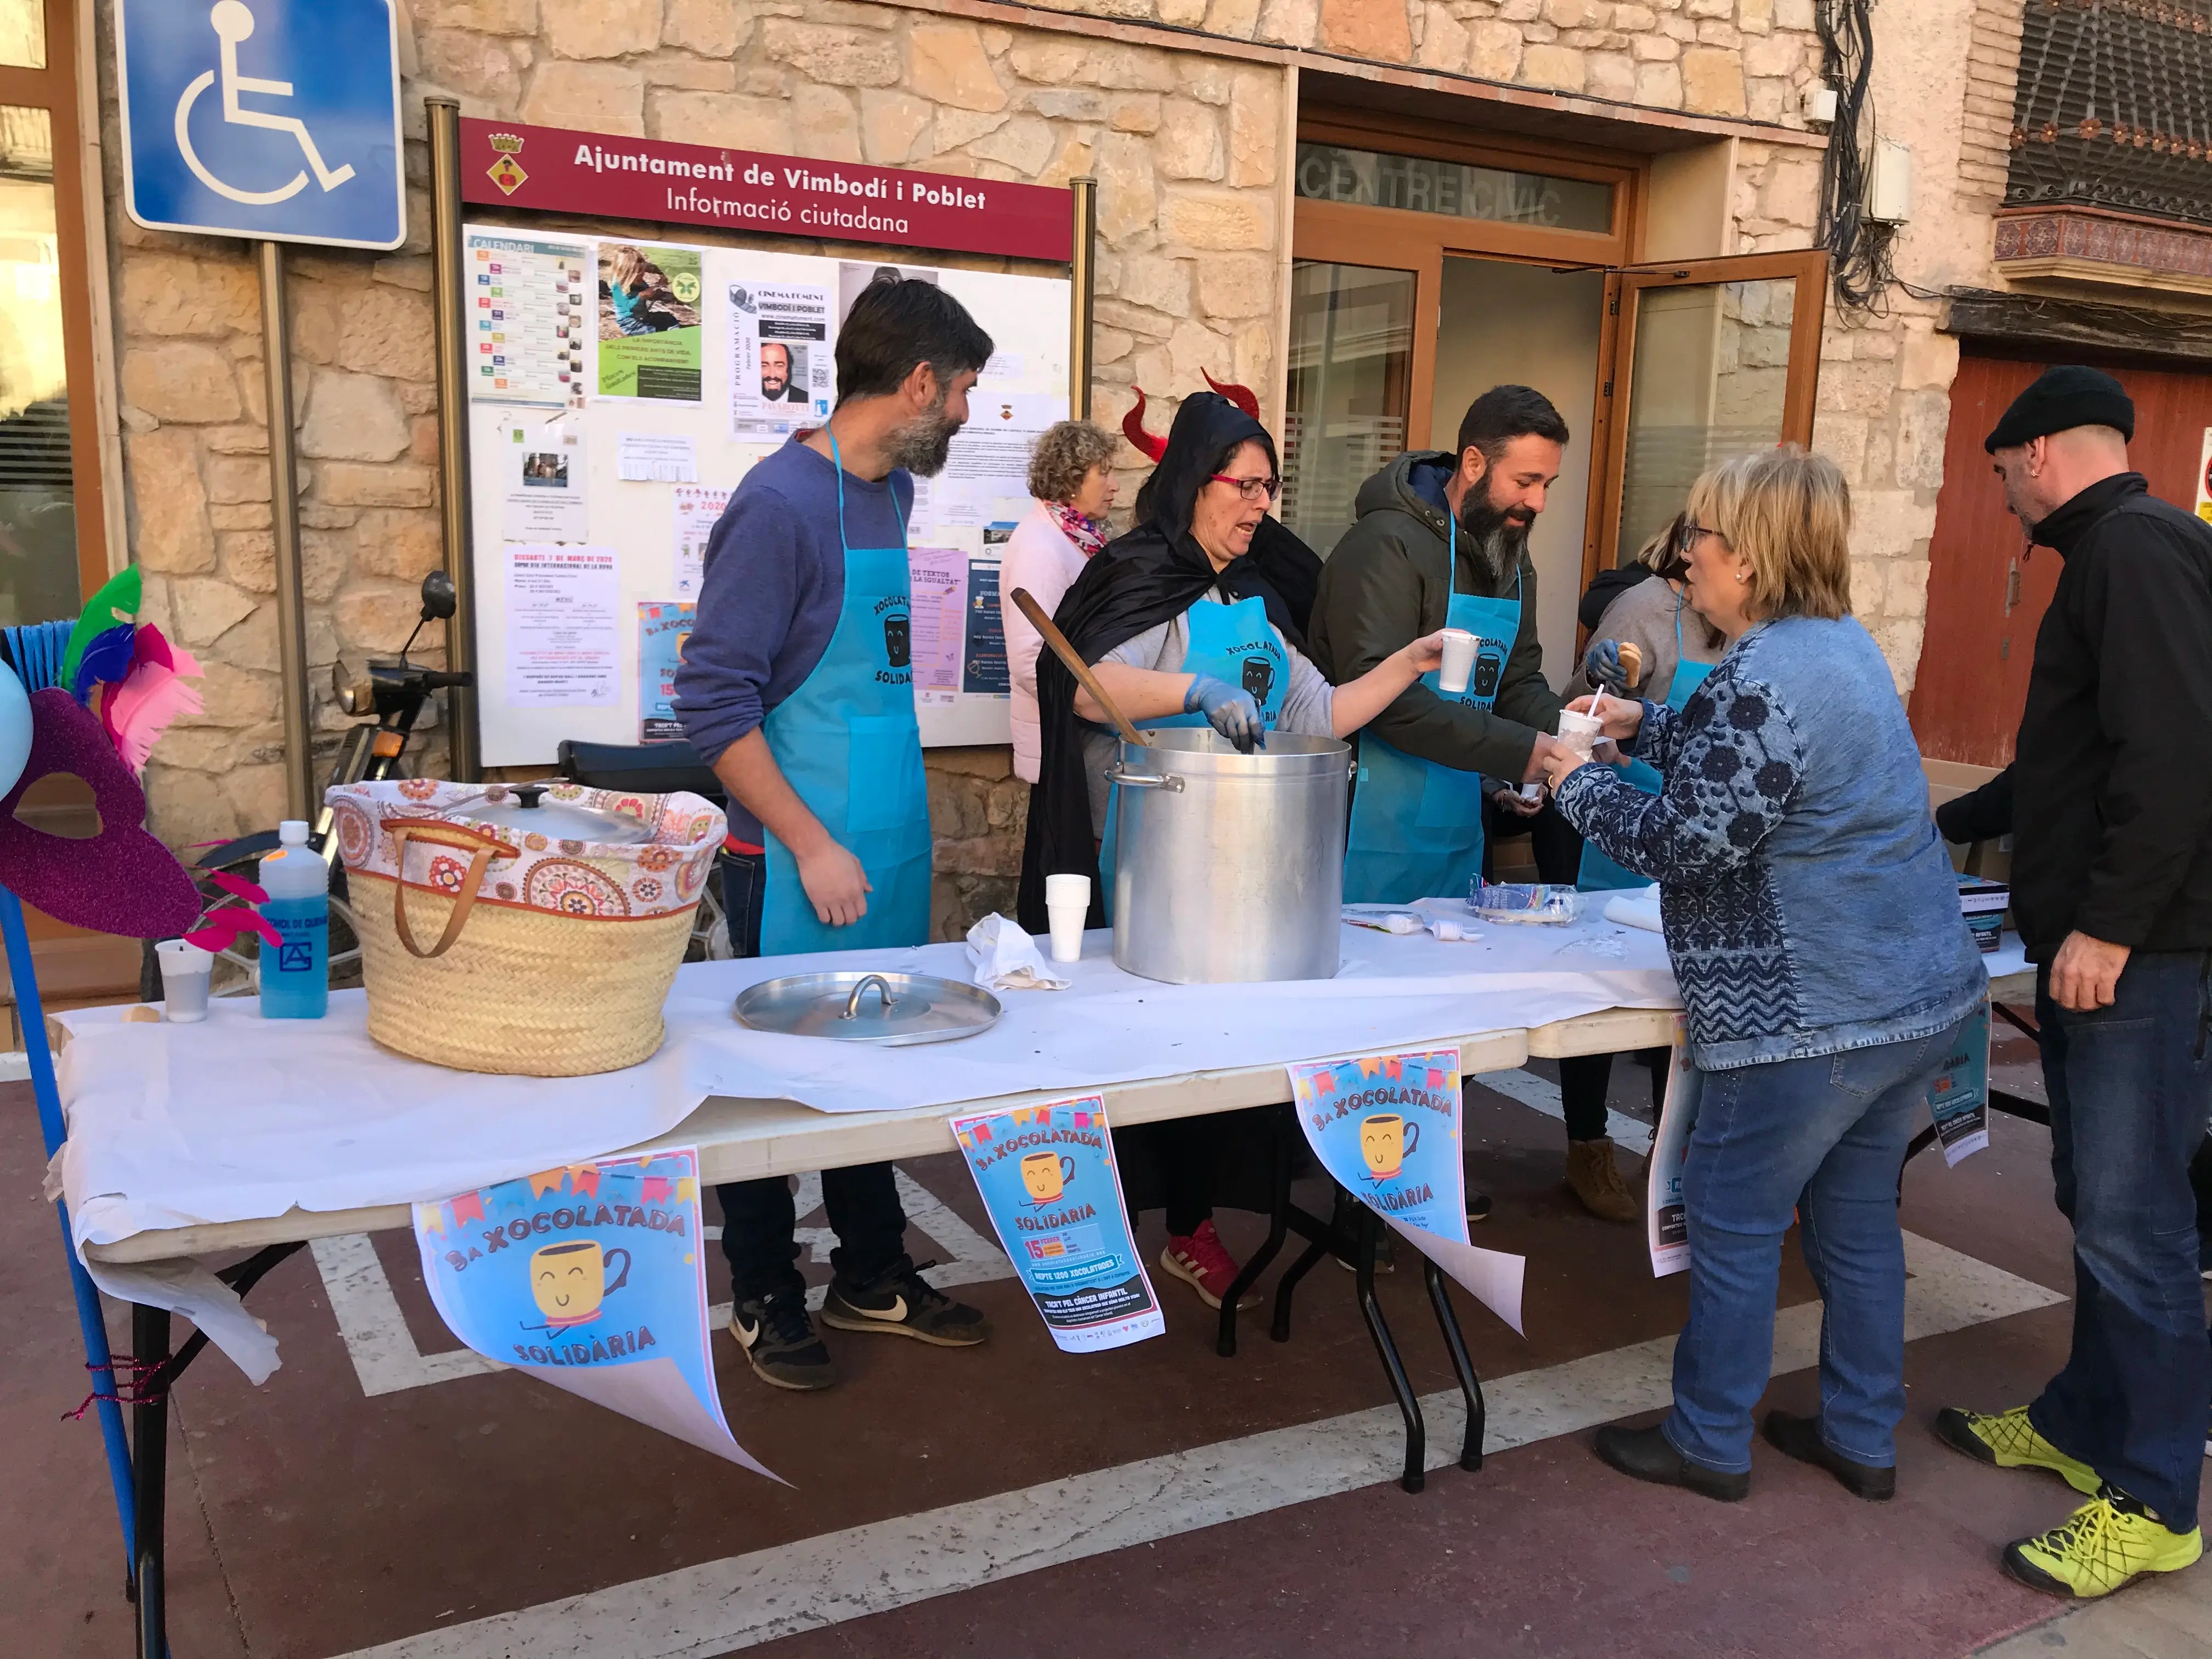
x: 1807, y: 903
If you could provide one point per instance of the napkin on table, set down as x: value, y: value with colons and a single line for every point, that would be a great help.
x: 1005, y: 958
x: 1635, y: 909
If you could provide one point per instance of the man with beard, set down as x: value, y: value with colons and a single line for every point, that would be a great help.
x: 1442, y: 541
x: 775, y: 374
x: 797, y: 687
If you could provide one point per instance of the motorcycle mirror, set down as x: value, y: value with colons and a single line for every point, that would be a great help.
x: 439, y: 599
x: 354, y: 690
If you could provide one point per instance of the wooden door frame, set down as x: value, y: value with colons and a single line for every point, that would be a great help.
x: 54, y: 89
x: 1623, y: 288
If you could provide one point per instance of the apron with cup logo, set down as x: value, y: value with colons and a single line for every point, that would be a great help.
x: 1416, y: 829
x: 1234, y: 643
x: 1600, y: 873
x: 848, y: 745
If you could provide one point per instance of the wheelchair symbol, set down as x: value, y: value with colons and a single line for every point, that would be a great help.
x: 233, y: 22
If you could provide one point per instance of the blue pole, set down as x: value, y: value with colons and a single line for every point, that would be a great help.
x: 32, y: 1013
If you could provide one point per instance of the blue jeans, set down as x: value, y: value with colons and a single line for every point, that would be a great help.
x: 1825, y: 1137
x: 2130, y: 1087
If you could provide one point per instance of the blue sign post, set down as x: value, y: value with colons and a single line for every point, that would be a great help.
x: 278, y: 120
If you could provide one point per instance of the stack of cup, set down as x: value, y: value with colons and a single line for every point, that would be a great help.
x: 1067, y: 907
x: 186, y: 970
x: 1579, y: 733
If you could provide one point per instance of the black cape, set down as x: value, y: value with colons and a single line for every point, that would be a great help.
x: 1138, y: 580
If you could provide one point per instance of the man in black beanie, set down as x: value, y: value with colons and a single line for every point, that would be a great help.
x: 2109, y: 802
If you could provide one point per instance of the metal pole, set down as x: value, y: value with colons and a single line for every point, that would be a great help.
x: 465, y: 751
x: 285, y: 516
x: 1082, y: 272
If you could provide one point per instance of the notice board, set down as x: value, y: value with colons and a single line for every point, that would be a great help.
x: 606, y: 433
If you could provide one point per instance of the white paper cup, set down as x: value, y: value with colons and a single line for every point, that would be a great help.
x: 1067, y: 907
x: 1533, y: 791
x: 186, y: 970
x: 1459, y: 660
x: 1579, y: 731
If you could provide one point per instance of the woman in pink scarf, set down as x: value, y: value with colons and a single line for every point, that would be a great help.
x: 1074, y: 490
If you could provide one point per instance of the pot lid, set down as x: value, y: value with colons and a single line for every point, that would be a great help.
x: 889, y: 1009
x: 527, y: 811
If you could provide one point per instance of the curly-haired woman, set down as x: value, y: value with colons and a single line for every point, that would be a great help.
x: 1074, y: 490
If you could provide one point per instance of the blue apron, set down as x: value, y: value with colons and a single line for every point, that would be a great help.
x: 1416, y: 829
x: 847, y: 745
x: 1599, y: 872
x: 1234, y: 643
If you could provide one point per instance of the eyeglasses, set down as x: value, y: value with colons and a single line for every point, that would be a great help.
x: 1252, y: 489
x: 1691, y: 530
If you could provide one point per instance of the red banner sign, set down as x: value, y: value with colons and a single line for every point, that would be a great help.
x: 508, y: 164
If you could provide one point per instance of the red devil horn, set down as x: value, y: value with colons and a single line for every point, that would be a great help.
x: 1240, y: 396
x: 1133, y: 429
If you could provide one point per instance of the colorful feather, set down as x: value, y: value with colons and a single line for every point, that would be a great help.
x: 219, y: 929
x: 137, y: 712
x: 239, y: 887
x: 119, y: 601
x: 104, y: 661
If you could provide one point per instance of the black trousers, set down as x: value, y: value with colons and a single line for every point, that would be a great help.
x: 1584, y: 1079
x: 758, y: 1218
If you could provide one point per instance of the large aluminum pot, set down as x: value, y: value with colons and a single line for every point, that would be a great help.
x: 1229, y: 867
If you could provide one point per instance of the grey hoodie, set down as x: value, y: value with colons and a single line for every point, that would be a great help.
x: 1384, y: 585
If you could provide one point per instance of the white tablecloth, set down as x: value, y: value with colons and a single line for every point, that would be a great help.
x: 243, y: 1118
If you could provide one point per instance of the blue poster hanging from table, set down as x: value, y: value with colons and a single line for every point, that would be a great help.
x: 1387, y: 1129
x: 1050, y: 1182
x: 1666, y: 1214
x: 1959, y: 1098
x: 590, y: 1278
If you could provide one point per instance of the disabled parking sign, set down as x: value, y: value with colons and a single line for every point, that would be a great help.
x: 278, y: 120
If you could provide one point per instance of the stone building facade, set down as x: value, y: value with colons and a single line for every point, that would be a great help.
x: 1185, y: 110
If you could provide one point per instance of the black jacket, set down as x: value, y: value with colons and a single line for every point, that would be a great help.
x: 1137, y: 581
x: 2110, y: 784
x: 1385, y: 584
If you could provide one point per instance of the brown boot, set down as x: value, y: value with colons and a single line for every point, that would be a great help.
x: 1591, y: 1175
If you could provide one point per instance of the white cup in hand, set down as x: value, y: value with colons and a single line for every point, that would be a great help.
x: 1459, y: 660
x: 1067, y: 907
x: 1579, y: 733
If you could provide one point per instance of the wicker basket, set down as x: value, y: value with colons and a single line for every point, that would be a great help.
x: 491, y: 952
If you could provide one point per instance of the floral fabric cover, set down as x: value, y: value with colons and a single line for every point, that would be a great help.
x: 534, y: 871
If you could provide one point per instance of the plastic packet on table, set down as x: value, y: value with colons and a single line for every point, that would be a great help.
x: 1539, y: 903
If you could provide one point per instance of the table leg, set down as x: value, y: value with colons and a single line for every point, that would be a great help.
x: 1470, y: 1385
x: 1279, y: 1329
x: 150, y: 1422
x: 1278, y: 1223
x: 1370, y: 1235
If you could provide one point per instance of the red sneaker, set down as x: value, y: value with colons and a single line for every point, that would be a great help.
x: 1201, y: 1262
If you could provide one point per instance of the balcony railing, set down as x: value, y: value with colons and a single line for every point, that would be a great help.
x: 2113, y: 107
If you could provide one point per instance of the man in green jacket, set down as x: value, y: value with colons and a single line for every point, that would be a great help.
x: 1442, y: 541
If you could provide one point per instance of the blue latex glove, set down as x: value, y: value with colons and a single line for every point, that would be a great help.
x: 1604, y: 668
x: 1228, y: 709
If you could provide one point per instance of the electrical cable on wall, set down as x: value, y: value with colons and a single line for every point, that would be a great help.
x: 1859, y: 248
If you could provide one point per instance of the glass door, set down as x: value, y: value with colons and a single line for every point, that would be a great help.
x: 1707, y: 361
x: 1350, y: 390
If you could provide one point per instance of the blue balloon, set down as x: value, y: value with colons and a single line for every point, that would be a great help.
x: 14, y: 728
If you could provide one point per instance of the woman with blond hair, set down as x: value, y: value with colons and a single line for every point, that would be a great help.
x: 1073, y: 485
x: 1813, y: 925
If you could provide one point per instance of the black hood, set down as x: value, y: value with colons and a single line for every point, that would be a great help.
x: 1137, y: 581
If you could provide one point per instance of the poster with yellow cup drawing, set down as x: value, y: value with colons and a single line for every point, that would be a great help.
x: 589, y: 1277
x: 1387, y: 1129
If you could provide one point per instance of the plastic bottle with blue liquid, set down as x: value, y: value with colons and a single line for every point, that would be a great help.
x: 295, y: 972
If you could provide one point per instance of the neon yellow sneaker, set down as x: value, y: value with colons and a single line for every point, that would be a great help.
x: 2106, y: 1545
x: 2008, y: 1441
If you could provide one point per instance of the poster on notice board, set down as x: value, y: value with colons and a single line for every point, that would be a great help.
x: 649, y: 333
x: 662, y: 627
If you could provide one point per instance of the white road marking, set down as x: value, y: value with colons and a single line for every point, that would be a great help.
x: 1630, y: 1134
x: 386, y: 1360
x: 746, y: 1599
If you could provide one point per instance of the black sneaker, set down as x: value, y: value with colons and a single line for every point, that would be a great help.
x: 1477, y: 1205
x: 901, y: 1303
x: 781, y: 1345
